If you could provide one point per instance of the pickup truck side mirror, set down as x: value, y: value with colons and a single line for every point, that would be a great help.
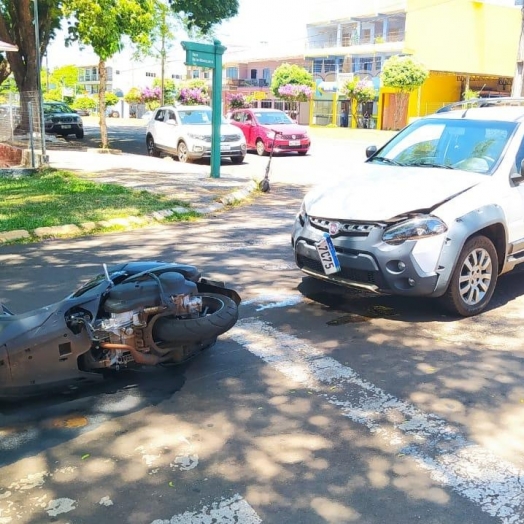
x: 370, y: 151
x: 518, y: 177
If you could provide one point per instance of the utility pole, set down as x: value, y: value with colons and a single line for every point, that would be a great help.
x: 517, y: 86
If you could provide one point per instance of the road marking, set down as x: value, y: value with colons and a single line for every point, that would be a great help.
x: 234, y: 509
x: 272, y: 300
x: 470, y: 470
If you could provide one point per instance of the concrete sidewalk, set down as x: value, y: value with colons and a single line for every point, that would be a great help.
x: 190, y: 183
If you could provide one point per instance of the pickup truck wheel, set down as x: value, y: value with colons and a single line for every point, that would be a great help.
x: 474, y: 278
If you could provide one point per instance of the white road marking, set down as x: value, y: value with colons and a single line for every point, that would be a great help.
x: 59, y: 506
x: 224, y: 511
x: 272, y: 300
x: 106, y: 501
x: 470, y: 470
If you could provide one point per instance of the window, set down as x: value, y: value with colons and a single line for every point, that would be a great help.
x: 329, y: 65
x: 151, y: 75
x: 366, y: 63
x: 265, y: 103
x: 232, y: 72
x: 195, y: 73
x: 253, y: 74
x: 317, y: 65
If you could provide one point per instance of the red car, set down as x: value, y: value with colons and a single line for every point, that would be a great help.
x: 260, y: 125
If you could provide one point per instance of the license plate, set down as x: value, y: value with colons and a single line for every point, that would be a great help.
x: 225, y: 148
x: 294, y: 142
x: 65, y: 126
x: 328, y: 255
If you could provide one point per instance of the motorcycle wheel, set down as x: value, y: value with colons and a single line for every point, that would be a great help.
x: 219, y: 314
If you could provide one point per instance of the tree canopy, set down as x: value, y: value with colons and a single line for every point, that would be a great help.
x: 290, y: 74
x: 403, y: 73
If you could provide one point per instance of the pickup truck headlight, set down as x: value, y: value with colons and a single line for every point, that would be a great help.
x: 414, y: 229
x: 301, y: 215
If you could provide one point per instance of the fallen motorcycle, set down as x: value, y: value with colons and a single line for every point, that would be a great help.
x: 132, y: 314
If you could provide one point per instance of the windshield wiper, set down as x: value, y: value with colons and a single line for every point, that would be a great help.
x: 386, y: 160
x: 430, y: 164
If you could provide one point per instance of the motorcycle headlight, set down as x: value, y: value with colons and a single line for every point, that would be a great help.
x: 414, y: 229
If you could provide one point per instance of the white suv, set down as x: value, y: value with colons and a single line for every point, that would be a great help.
x: 438, y: 211
x: 185, y: 133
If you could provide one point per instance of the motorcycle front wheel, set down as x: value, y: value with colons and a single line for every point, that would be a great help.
x: 219, y: 314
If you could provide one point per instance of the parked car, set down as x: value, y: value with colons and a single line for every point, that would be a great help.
x: 438, y: 211
x: 185, y: 133
x: 112, y: 113
x: 260, y: 125
x: 60, y: 119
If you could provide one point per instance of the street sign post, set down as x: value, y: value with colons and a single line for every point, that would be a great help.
x: 210, y: 56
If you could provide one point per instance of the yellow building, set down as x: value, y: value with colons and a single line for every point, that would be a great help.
x: 465, y: 44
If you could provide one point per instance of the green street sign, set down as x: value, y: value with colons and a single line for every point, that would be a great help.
x: 197, y: 58
x: 205, y: 55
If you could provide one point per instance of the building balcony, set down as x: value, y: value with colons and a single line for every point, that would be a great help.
x: 355, y: 41
x: 247, y: 82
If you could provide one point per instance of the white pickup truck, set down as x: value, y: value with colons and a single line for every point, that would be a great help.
x: 438, y: 211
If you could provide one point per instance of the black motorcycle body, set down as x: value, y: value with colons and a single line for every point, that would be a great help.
x: 134, y: 314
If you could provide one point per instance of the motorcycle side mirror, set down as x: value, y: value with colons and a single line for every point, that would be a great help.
x: 106, y: 273
x: 370, y: 151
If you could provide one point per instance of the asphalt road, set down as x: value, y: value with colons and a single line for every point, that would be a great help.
x: 319, y: 406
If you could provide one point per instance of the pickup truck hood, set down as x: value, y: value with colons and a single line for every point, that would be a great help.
x: 381, y: 192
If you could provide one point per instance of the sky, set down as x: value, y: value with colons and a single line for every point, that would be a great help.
x: 269, y: 28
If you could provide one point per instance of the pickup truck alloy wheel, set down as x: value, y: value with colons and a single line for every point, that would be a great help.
x: 474, y: 278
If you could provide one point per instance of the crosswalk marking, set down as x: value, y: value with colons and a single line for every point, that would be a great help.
x: 470, y: 470
x: 233, y: 509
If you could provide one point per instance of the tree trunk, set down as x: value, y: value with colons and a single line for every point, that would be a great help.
x: 102, y: 103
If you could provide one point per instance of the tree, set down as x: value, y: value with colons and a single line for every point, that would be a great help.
x: 16, y: 27
x: 292, y: 83
x: 204, y: 14
x: 404, y: 74
x: 357, y: 92
x: 84, y: 102
x: 103, y: 24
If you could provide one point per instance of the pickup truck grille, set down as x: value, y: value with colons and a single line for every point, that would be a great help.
x: 354, y: 229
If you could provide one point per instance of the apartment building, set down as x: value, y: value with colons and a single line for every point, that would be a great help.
x: 465, y: 44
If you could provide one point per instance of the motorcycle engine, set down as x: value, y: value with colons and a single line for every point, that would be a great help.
x: 126, y: 327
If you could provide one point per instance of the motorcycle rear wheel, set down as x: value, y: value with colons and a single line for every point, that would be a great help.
x: 220, y: 314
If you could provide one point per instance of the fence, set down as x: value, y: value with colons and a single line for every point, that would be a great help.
x: 22, y: 137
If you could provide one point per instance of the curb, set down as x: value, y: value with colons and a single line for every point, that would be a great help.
x: 128, y: 223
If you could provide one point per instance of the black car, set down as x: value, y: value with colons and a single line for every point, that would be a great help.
x: 60, y: 119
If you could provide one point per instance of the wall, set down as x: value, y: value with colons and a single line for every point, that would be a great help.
x: 464, y: 36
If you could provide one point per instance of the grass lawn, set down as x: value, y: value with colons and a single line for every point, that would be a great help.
x: 54, y: 198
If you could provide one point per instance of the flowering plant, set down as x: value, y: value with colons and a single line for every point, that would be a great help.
x: 193, y: 96
x: 360, y: 90
x: 295, y: 92
x: 150, y: 96
x: 237, y: 101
